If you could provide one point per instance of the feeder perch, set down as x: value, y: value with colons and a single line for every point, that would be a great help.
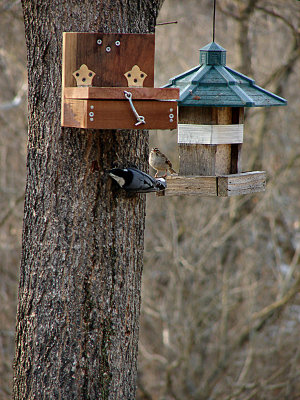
x: 211, y: 127
x: 108, y: 83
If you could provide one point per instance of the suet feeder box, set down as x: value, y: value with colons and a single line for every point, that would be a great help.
x: 108, y: 83
x: 211, y: 127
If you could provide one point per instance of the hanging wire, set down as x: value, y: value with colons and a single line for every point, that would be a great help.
x: 214, y: 21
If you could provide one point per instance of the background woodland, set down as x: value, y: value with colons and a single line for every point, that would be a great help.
x: 220, y: 314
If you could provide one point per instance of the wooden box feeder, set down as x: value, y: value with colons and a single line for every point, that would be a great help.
x: 211, y: 127
x: 107, y: 83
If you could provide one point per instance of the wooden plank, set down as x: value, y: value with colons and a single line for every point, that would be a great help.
x: 125, y: 51
x: 74, y: 113
x: 196, y: 115
x: 223, y: 159
x: 211, y: 115
x: 243, y: 183
x: 191, y: 185
x: 222, y: 115
x: 204, y: 159
x: 69, y: 59
x: 224, y: 186
x: 205, y: 115
x: 118, y: 93
x: 196, y: 159
x: 210, y: 134
x: 68, y: 67
x: 117, y: 114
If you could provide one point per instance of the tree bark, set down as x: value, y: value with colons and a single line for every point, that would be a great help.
x: 80, y: 276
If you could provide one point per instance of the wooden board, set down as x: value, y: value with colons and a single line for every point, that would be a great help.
x: 117, y: 93
x: 243, y: 183
x: 206, y: 115
x: 74, y: 113
x: 223, y: 186
x: 109, y: 66
x: 223, y: 159
x: 210, y: 134
x: 191, y: 185
x: 117, y: 114
x: 197, y: 159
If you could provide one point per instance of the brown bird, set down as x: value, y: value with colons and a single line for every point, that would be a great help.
x: 160, y: 162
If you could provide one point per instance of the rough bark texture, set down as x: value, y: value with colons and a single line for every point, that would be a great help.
x: 80, y: 278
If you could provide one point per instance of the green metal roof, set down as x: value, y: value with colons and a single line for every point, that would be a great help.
x: 212, y: 83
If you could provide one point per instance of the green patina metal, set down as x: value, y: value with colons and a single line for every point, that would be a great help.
x: 214, y: 84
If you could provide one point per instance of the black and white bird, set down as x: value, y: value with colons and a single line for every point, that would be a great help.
x: 135, y: 181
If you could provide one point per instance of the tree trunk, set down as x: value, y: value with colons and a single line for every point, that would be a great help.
x: 80, y: 278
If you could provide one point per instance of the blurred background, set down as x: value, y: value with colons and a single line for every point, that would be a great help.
x: 220, y: 314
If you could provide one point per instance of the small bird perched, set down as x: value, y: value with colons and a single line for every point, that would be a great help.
x: 160, y: 162
x: 136, y: 181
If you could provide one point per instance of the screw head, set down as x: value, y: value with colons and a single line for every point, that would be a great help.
x: 99, y: 41
x: 108, y: 49
x: 117, y: 43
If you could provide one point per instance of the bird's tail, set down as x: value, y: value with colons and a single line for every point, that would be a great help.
x: 170, y: 167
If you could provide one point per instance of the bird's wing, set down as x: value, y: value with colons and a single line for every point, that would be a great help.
x: 143, y: 182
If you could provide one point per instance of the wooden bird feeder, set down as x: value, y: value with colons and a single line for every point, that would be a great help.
x: 211, y: 126
x: 107, y: 83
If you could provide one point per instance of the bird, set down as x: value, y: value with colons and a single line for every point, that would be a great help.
x: 160, y: 162
x: 135, y: 181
